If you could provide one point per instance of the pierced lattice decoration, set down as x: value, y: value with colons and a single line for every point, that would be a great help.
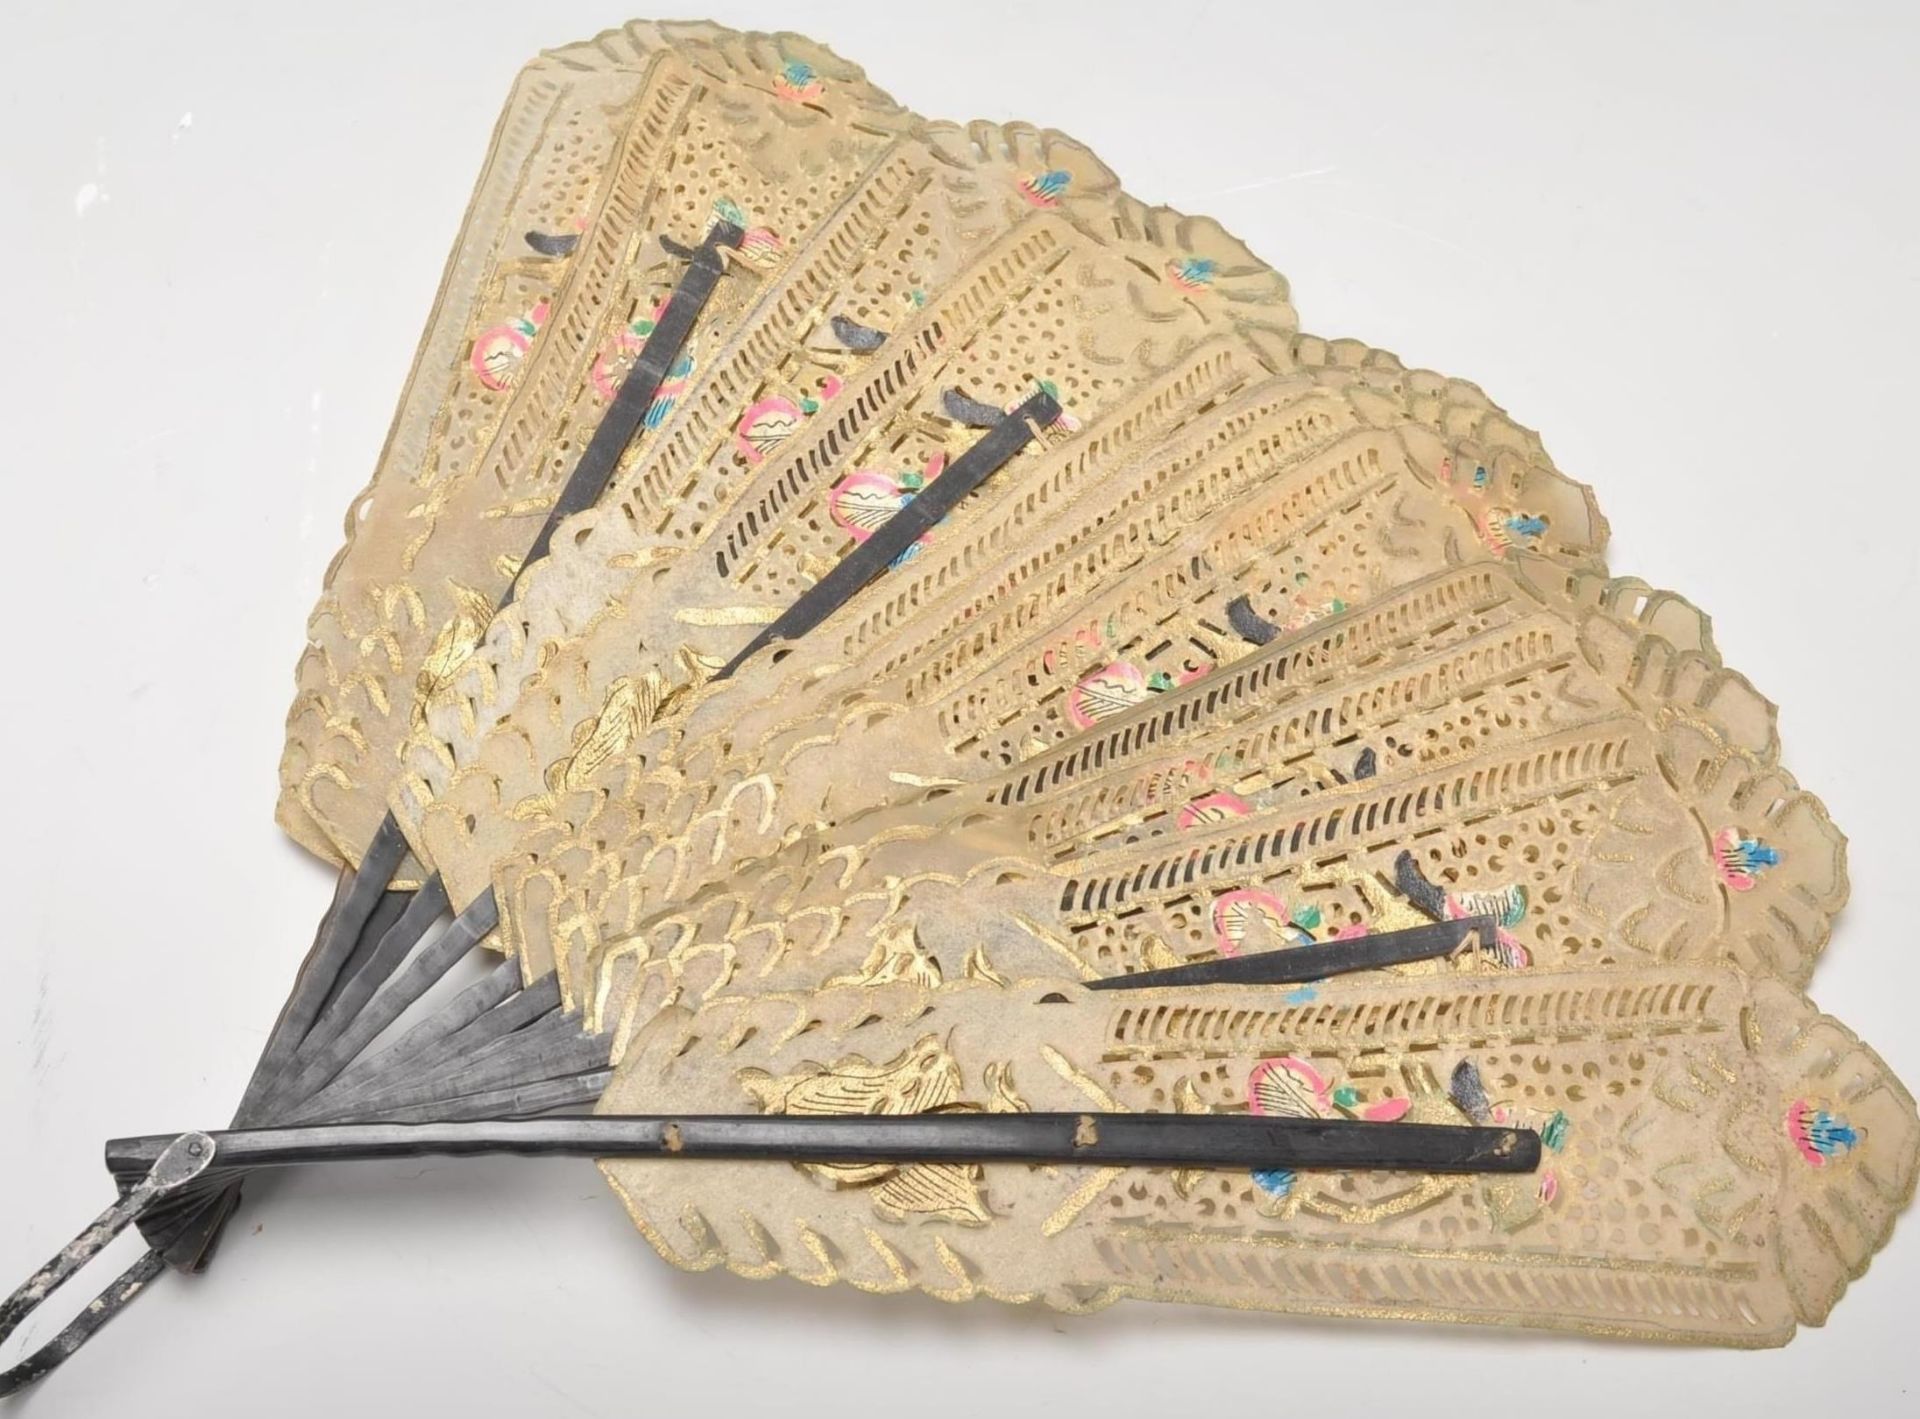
x: 1720, y: 1158
x: 923, y: 668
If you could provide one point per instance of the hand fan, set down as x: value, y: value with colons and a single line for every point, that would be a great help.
x: 822, y: 553
x: 651, y: 132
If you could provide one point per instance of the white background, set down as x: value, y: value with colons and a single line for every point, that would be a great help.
x: 1682, y: 240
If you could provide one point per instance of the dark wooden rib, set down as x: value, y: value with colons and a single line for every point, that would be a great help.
x: 1113, y: 1139
x: 1287, y: 965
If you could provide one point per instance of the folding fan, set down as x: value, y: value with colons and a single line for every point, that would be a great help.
x: 925, y: 672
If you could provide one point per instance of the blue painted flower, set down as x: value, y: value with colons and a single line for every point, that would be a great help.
x: 1043, y: 189
x: 1740, y: 860
x: 1819, y: 1135
x: 797, y: 82
x: 1274, y: 1182
x: 1192, y: 273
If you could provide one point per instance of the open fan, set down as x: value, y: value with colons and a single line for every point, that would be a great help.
x: 924, y: 670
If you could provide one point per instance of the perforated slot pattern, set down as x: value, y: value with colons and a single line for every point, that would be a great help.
x: 1187, y: 487
x: 1268, y: 747
x: 912, y: 256
x: 1514, y: 1012
x: 1391, y: 817
x: 1169, y: 614
x: 1260, y: 676
x: 921, y: 584
x: 1550, y: 799
x: 599, y: 276
x: 843, y: 427
x: 668, y: 475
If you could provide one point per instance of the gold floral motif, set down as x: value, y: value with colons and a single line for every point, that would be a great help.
x: 896, y: 955
x: 1002, y: 1097
x: 1187, y: 1100
x: 923, y: 1079
x: 631, y: 706
x: 452, y: 648
x: 977, y: 965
